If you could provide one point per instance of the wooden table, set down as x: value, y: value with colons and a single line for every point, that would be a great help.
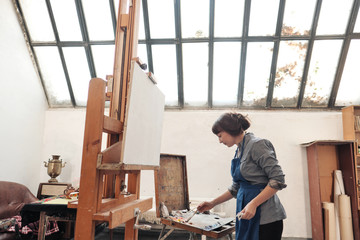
x: 225, y: 230
x: 60, y: 210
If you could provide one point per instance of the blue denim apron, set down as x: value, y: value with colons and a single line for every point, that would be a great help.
x: 245, y: 229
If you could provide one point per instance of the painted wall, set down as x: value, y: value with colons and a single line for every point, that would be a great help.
x: 22, y: 107
x: 208, y: 162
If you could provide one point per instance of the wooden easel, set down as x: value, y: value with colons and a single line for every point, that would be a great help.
x: 103, y: 174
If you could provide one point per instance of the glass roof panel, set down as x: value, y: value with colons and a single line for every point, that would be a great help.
x: 348, y: 93
x: 66, y: 18
x: 229, y: 20
x: 334, y: 16
x: 226, y: 73
x: 195, y: 18
x: 103, y: 59
x: 53, y: 76
x: 37, y: 20
x: 257, y: 72
x: 321, y: 72
x: 116, y: 6
x: 164, y: 26
x: 164, y: 58
x: 289, y: 73
x: 263, y: 17
x: 141, y: 33
x: 297, y: 21
x: 195, y: 64
x: 298, y: 17
x: 357, y: 24
x: 142, y: 54
x: 79, y: 74
x: 98, y: 20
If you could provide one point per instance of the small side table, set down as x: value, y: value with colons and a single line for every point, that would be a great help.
x: 45, y: 212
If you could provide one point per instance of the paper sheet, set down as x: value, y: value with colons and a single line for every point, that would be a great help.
x: 338, y: 190
x: 63, y: 201
x: 346, y: 229
x: 329, y: 217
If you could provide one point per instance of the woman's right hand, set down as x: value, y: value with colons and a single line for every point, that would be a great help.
x: 205, y: 206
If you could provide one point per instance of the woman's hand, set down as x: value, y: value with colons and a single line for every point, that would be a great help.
x: 248, y: 211
x: 205, y: 206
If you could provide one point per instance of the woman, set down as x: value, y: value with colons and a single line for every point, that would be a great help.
x: 256, y: 179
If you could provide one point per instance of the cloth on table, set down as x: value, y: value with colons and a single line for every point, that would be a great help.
x: 33, y: 227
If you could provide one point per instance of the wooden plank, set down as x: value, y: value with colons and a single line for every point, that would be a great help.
x: 112, y: 153
x: 119, y: 184
x: 171, y: 182
x: 116, y: 167
x: 157, y: 190
x: 138, y: 167
x: 112, y: 125
x: 133, y: 187
x: 124, y: 20
x: 130, y: 232
x: 134, y: 183
x: 117, y: 102
x: 123, y: 213
x: 119, y: 42
x: 348, y: 172
x: 315, y: 196
x: 348, y: 123
x: 113, y: 202
x: 89, y: 178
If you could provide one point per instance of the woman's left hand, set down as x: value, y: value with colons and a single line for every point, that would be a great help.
x: 248, y: 211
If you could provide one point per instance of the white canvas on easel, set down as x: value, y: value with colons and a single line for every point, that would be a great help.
x: 143, y: 122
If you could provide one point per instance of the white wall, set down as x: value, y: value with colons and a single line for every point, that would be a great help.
x: 22, y: 107
x: 208, y: 162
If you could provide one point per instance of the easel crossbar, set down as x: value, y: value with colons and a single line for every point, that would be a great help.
x: 123, y: 213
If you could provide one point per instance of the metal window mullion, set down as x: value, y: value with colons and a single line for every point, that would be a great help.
x: 85, y: 36
x: 309, y: 53
x: 179, y: 59
x: 344, y: 52
x: 243, y: 53
x: 71, y: 43
x: 211, y: 53
x: 147, y: 36
x: 61, y: 54
x: 113, y: 15
x: 276, y: 53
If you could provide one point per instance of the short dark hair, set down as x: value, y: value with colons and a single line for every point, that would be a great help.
x: 232, y: 123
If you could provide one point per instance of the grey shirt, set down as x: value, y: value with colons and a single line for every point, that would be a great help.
x: 259, y: 165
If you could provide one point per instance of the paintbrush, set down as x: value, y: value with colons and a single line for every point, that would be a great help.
x: 193, y: 214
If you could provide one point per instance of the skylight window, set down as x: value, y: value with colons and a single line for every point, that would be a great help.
x: 205, y: 54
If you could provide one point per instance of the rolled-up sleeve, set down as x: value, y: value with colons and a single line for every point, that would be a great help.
x: 233, y: 189
x: 265, y: 157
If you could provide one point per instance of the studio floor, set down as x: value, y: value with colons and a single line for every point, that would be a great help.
x: 154, y: 233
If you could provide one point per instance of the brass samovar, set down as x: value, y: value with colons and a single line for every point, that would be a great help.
x: 54, y: 167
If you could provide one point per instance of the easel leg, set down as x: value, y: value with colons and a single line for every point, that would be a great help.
x: 162, y: 231
x: 130, y: 232
x: 166, y: 235
x: 111, y: 233
x: 192, y: 236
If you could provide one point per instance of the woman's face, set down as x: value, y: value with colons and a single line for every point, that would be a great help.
x: 226, y: 139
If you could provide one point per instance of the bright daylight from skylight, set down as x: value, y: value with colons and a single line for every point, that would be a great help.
x: 205, y: 53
